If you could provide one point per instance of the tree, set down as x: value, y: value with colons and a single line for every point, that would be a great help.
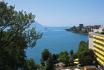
x: 15, y: 37
x: 48, y: 60
x: 45, y: 55
x: 102, y: 32
x: 50, y: 63
x: 71, y: 53
x: 55, y: 58
x: 64, y: 57
x: 71, y: 57
x: 82, y: 46
x: 85, y: 55
x: 31, y: 65
x: 86, y: 58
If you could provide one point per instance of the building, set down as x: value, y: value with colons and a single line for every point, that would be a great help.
x: 60, y: 64
x: 96, y: 43
x: 100, y: 29
x: 76, y: 61
x: 94, y: 28
x: 81, y: 25
x: 90, y: 68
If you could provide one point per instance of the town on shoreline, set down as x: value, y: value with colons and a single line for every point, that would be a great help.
x: 15, y: 38
x: 86, y: 29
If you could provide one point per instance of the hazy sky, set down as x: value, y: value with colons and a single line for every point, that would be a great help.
x: 63, y: 12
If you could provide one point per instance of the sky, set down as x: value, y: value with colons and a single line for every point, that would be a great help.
x: 62, y: 13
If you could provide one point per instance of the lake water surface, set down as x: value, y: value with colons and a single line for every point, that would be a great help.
x: 56, y: 40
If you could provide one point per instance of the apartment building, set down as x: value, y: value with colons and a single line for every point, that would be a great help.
x: 96, y: 43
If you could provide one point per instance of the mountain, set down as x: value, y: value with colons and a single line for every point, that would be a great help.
x: 38, y: 27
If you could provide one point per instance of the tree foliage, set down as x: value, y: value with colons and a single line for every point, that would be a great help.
x: 82, y: 46
x: 50, y: 63
x: 48, y: 60
x: 85, y: 55
x: 15, y: 37
x: 87, y: 58
x: 45, y: 55
x: 64, y: 57
x: 31, y: 64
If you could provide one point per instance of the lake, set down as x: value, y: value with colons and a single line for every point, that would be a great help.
x: 56, y: 39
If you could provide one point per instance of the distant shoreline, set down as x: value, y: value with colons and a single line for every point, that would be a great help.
x: 78, y: 32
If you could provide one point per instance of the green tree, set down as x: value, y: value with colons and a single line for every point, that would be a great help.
x: 64, y: 57
x: 71, y: 57
x: 87, y: 58
x: 45, y: 55
x: 15, y: 37
x: 82, y: 46
x: 50, y: 63
x: 55, y: 58
x: 102, y: 32
x: 31, y: 65
x: 71, y: 53
x: 48, y: 60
